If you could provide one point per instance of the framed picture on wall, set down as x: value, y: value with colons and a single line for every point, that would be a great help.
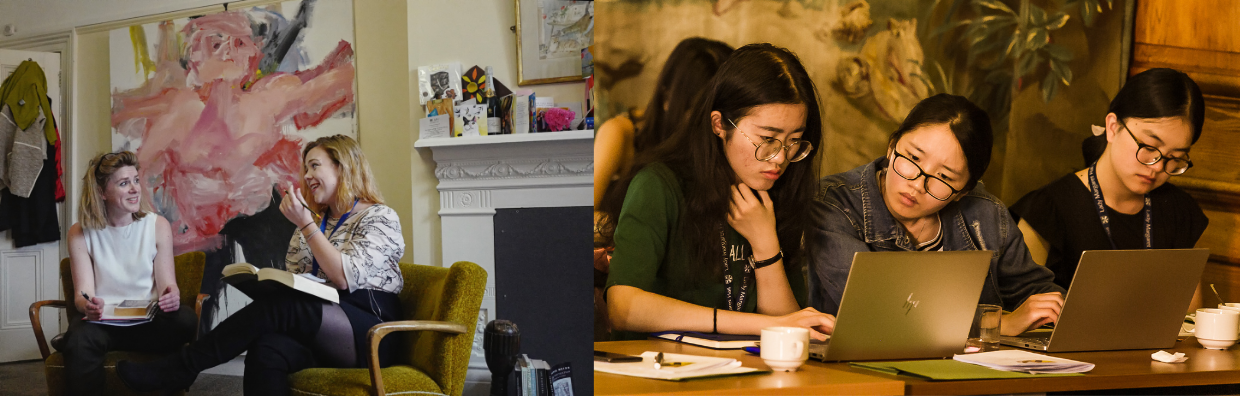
x: 550, y: 37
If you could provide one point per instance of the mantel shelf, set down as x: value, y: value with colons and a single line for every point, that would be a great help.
x: 587, y: 134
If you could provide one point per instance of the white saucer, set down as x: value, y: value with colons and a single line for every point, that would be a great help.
x: 1216, y: 344
x: 787, y: 365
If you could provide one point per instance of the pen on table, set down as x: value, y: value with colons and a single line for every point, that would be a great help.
x: 658, y: 361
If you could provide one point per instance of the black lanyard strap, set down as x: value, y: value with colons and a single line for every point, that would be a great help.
x: 1102, y: 209
x: 739, y: 302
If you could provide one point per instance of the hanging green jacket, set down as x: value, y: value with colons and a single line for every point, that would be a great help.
x: 25, y: 91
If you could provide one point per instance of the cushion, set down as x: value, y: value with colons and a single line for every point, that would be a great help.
x: 341, y: 382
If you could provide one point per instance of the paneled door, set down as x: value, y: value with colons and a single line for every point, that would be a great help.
x: 31, y: 273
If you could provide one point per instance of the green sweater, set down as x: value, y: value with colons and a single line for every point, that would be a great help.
x: 651, y: 254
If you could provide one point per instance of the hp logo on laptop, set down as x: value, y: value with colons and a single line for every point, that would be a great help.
x: 909, y: 304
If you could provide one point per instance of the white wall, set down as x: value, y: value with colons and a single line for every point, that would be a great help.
x: 473, y: 32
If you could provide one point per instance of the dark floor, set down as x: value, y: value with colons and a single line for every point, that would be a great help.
x: 26, y: 379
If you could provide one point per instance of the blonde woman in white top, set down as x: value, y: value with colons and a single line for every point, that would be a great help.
x: 118, y: 251
x: 355, y: 245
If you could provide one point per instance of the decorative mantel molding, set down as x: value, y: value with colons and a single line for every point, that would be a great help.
x: 478, y: 175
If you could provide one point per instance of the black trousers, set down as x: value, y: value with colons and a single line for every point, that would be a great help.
x: 86, y: 344
x: 278, y: 333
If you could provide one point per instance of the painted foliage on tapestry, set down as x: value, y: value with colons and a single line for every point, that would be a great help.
x: 218, y: 106
x: 873, y: 60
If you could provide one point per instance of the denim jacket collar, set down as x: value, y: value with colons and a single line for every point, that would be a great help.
x: 882, y: 229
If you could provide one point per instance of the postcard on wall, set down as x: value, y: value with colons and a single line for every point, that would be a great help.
x: 439, y: 82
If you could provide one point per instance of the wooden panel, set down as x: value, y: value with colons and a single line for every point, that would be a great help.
x: 1226, y: 279
x: 1203, y: 24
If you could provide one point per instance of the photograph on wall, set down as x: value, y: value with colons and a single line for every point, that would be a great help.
x: 217, y: 108
x: 873, y: 60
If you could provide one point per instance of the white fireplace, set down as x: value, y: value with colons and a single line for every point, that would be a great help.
x: 478, y: 175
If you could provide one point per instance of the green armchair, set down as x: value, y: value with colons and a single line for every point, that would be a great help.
x: 441, y: 311
x: 189, y: 268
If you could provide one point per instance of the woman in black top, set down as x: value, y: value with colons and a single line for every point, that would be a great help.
x: 1150, y: 127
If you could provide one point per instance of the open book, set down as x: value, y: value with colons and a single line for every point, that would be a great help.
x: 677, y: 367
x: 128, y: 310
x: 256, y: 282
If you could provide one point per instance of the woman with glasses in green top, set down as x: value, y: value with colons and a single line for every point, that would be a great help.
x: 708, y: 231
x: 1122, y: 199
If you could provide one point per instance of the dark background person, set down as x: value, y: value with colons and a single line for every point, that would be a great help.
x: 355, y: 249
x: 708, y: 233
x: 681, y: 85
x: 929, y: 198
x: 119, y: 250
x: 1151, y: 125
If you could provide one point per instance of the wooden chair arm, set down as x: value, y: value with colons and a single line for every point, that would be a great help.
x: 383, y: 329
x: 202, y: 298
x: 37, y: 324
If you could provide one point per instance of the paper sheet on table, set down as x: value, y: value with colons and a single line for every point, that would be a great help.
x: 696, y: 367
x: 1025, y: 361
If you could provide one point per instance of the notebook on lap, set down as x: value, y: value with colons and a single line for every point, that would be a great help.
x: 1122, y: 299
x: 906, y: 305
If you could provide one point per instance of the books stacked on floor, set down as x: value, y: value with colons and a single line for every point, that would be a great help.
x: 676, y: 367
x: 537, y: 378
x: 1025, y: 362
x: 127, y: 313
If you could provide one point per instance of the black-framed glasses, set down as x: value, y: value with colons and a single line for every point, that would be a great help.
x: 909, y: 170
x: 1150, y: 155
x: 797, y: 149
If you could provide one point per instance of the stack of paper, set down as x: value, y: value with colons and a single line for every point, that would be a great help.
x: 1025, y: 362
x: 676, y: 367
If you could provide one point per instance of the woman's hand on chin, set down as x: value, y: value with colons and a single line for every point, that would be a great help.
x: 1038, y: 309
x: 294, y: 207
x: 818, y: 323
x: 753, y: 216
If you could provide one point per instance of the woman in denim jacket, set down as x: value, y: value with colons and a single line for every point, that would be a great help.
x: 929, y: 199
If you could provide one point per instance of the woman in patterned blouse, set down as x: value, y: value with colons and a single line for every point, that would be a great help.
x: 355, y: 246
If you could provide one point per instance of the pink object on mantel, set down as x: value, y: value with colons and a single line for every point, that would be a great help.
x: 558, y: 119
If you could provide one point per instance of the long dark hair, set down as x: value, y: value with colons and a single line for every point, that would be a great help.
x: 969, y: 123
x: 755, y: 75
x: 681, y: 85
x: 1154, y: 93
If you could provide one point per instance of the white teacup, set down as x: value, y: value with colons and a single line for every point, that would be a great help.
x: 785, y: 348
x: 1230, y: 306
x: 1216, y: 328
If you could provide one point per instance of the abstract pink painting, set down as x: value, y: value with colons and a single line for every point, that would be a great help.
x: 218, y: 106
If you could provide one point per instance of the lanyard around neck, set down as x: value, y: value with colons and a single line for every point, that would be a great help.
x: 738, y: 303
x: 323, y: 229
x: 1102, y: 209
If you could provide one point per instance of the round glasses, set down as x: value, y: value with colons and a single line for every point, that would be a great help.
x: 934, y: 186
x: 1150, y: 155
x: 770, y: 147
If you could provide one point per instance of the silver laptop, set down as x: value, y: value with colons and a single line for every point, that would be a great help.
x: 906, y: 305
x: 1122, y: 299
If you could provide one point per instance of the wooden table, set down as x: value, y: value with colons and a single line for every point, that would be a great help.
x: 1113, y: 370
x: 811, y: 378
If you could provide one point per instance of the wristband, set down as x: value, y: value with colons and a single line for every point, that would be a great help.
x: 767, y: 262
x: 303, y: 228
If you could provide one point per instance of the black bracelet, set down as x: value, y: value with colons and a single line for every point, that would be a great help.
x: 715, y: 325
x: 764, y: 263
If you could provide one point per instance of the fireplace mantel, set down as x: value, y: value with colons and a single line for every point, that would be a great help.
x: 480, y: 174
